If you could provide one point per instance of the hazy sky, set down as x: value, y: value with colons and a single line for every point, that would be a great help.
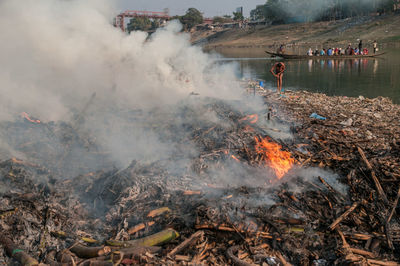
x: 210, y: 8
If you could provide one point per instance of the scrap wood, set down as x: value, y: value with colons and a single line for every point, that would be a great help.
x: 95, y: 262
x: 345, y: 244
x: 182, y: 258
x: 230, y: 229
x: 152, y: 240
x: 62, y: 234
x: 203, y: 254
x: 158, y: 212
x: 387, y: 222
x: 89, y: 252
x: 139, y: 227
x: 138, y: 250
x: 396, y: 201
x: 383, y: 263
x: 282, y: 259
x: 343, y: 216
x: 376, y: 181
x: 120, y: 256
x: 148, y: 189
x: 331, y: 189
x: 66, y: 256
x: 191, y: 192
x: 186, y: 243
x: 363, y: 253
x: 235, y: 259
x: 18, y: 254
x: 365, y: 237
x: 50, y: 259
x: 7, y: 213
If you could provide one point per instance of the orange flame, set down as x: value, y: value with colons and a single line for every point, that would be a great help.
x: 252, y: 118
x: 26, y: 116
x: 235, y: 158
x: 280, y: 161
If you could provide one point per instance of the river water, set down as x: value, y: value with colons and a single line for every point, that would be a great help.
x: 350, y: 77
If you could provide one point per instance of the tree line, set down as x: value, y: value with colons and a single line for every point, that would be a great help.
x: 191, y: 18
x: 288, y: 11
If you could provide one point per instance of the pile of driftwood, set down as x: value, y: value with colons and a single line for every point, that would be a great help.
x: 223, y: 204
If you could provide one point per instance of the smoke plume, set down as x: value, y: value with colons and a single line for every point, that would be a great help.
x: 298, y: 11
x: 58, y: 53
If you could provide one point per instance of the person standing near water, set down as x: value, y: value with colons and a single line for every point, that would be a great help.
x: 277, y: 71
x: 375, y: 45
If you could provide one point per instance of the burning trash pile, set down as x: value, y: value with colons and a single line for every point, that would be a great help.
x: 155, y: 169
x: 230, y: 193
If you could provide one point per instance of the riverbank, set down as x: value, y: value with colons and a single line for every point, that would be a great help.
x: 384, y: 29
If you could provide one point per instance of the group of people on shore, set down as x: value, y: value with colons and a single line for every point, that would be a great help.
x: 339, y: 51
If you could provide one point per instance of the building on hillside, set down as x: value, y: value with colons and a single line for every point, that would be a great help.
x: 207, y: 21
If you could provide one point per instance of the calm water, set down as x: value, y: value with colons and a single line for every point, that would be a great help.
x: 352, y: 77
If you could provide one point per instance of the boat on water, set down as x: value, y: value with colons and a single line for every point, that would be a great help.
x: 295, y: 56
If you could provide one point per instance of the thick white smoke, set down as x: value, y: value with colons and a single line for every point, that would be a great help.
x: 56, y: 53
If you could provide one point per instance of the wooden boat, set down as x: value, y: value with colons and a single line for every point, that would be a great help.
x: 294, y: 56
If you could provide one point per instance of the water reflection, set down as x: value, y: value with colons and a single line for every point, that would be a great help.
x: 351, y: 77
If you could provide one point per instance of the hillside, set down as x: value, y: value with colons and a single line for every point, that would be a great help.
x: 384, y: 29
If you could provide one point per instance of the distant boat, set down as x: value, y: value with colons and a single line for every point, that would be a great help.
x: 295, y: 56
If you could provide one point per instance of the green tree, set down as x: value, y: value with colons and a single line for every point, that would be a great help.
x: 192, y: 18
x: 258, y: 13
x: 155, y: 24
x: 139, y: 23
x: 238, y: 16
x: 286, y: 11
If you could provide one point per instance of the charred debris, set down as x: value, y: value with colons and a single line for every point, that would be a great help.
x: 232, y: 191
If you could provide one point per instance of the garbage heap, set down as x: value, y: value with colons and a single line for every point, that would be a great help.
x: 274, y: 187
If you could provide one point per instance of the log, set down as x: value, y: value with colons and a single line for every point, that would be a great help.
x: 186, y: 243
x: 89, y: 252
x: 148, y: 241
x: 13, y: 251
x: 376, y: 181
x: 343, y: 216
